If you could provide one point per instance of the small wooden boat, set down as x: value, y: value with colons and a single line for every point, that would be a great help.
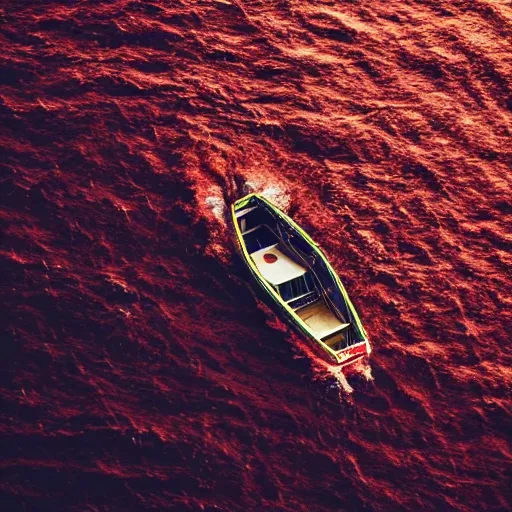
x: 295, y: 274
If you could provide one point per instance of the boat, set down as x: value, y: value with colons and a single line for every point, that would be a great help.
x: 294, y: 273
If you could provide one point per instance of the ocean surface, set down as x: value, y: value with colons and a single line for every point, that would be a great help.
x: 139, y: 369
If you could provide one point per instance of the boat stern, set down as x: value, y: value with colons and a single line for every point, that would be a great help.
x: 353, y: 354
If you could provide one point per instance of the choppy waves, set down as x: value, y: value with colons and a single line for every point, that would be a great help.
x: 140, y: 372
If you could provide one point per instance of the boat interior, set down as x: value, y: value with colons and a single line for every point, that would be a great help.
x: 289, y: 272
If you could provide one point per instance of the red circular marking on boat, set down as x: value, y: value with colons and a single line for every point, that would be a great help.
x: 270, y: 258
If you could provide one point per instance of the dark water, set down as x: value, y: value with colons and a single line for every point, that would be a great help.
x: 139, y: 371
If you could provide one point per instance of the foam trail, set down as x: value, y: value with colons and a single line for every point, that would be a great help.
x: 366, y: 371
x: 272, y: 191
x: 325, y: 371
x: 341, y: 380
x: 216, y: 204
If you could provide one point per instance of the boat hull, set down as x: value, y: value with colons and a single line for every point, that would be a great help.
x: 348, y: 356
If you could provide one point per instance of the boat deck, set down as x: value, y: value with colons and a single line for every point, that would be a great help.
x: 322, y: 321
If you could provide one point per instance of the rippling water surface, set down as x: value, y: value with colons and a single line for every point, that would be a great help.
x: 139, y: 371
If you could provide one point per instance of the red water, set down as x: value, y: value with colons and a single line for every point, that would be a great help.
x: 139, y: 371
